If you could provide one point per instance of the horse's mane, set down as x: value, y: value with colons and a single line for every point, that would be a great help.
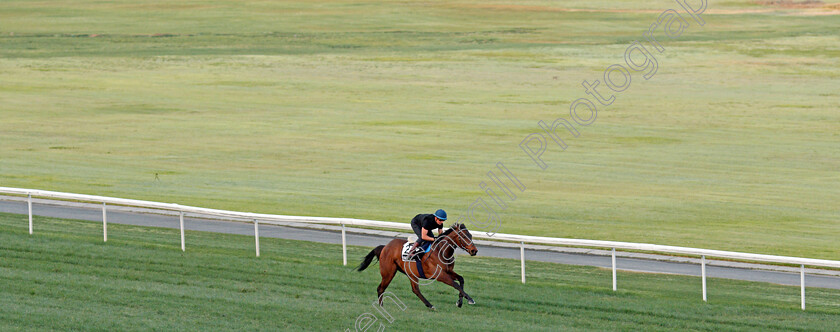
x: 451, y: 229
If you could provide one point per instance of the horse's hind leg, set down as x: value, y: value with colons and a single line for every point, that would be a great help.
x: 387, y: 273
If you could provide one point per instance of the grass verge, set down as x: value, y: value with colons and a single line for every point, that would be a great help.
x: 64, y: 277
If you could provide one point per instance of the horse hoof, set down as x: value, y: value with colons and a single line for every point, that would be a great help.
x: 470, y: 301
x: 459, y: 303
x: 432, y: 308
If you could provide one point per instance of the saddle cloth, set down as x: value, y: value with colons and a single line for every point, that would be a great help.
x: 407, y: 247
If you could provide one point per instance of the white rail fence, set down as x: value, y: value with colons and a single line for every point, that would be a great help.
x: 259, y: 218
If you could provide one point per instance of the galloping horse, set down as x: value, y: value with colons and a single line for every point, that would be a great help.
x: 440, y: 259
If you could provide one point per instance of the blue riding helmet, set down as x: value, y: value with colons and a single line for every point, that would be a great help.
x: 440, y: 214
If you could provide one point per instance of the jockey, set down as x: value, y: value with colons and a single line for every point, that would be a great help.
x: 423, y: 224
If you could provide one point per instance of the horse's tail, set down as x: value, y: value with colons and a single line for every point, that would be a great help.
x: 369, y: 258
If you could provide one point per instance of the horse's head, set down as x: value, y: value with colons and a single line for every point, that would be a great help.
x: 463, y: 239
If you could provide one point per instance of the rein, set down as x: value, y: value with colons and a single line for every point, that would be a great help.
x: 451, y: 236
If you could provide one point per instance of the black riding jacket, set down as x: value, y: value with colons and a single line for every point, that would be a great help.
x: 426, y: 222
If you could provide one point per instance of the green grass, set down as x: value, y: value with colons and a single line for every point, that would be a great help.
x: 381, y: 110
x: 65, y: 278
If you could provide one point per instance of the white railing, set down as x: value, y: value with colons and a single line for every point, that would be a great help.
x: 258, y: 218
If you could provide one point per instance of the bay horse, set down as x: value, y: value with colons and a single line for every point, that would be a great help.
x: 440, y: 259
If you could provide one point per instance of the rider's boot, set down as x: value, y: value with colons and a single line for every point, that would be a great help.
x: 413, y: 251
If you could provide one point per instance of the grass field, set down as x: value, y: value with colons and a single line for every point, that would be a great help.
x: 385, y: 109
x: 65, y: 278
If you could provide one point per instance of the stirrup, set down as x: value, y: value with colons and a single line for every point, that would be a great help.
x: 416, y: 254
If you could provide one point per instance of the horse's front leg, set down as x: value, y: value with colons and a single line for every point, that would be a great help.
x: 460, y: 280
x: 412, y: 273
x: 415, y: 287
x: 449, y: 280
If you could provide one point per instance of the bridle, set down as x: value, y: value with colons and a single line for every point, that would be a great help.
x: 458, y: 243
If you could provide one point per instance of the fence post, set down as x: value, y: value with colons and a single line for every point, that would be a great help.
x: 104, y: 223
x: 522, y: 257
x: 802, y: 283
x: 183, y: 245
x: 703, y: 273
x: 29, y: 202
x: 257, y: 236
x: 343, y: 244
x: 615, y: 285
